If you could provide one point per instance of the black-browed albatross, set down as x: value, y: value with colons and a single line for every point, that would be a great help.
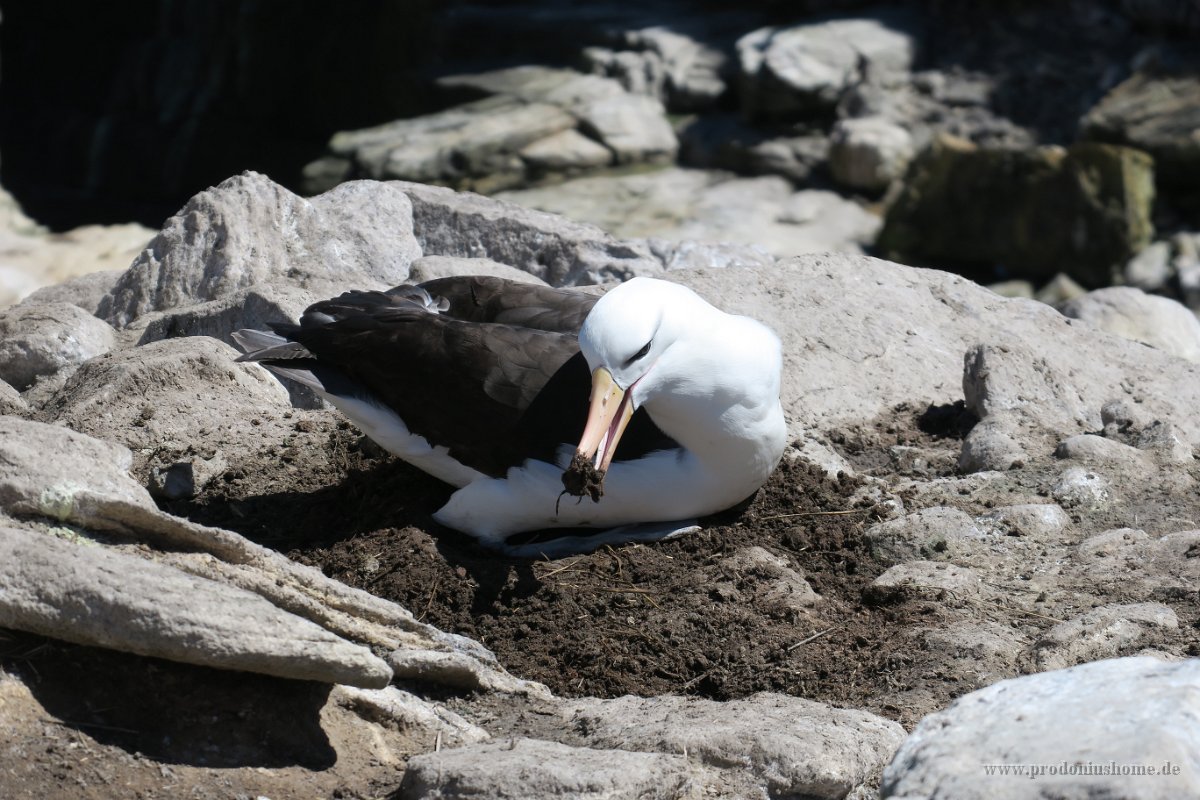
x: 484, y: 383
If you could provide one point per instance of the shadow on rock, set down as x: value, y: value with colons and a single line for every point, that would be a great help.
x: 176, y: 713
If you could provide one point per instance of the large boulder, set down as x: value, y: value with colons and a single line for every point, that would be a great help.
x: 249, y: 231
x: 861, y: 335
x: 1120, y: 728
x: 1083, y: 210
x: 805, y: 69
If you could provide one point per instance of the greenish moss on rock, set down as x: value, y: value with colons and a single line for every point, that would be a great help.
x: 1084, y: 210
x: 1159, y: 112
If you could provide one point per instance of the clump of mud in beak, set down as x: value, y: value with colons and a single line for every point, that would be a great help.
x: 611, y: 410
x: 582, y: 478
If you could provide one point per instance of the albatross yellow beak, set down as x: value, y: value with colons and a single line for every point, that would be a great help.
x: 610, y: 412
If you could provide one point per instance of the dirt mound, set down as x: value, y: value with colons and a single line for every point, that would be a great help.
x: 768, y: 597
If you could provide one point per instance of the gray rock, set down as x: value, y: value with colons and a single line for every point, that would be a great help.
x: 792, y: 747
x: 1157, y: 321
x: 869, y: 153
x: 637, y: 72
x: 249, y: 231
x: 1110, y: 542
x: 1164, y: 441
x: 1092, y: 449
x: 927, y: 579
x: 398, y: 708
x: 11, y: 402
x: 808, y: 67
x: 1150, y: 269
x: 565, y: 152
x: 682, y: 205
x: 1084, y: 210
x: 998, y: 442
x: 31, y: 258
x: 48, y: 472
x: 558, y: 251
x: 777, y: 587
x: 1162, y: 568
x: 84, y: 291
x: 1013, y: 289
x: 54, y: 472
x: 861, y: 335
x: 529, y: 768
x: 462, y: 669
x: 1058, y: 290
x: 91, y: 595
x: 635, y: 128
x: 217, y: 319
x: 1078, y: 487
x: 37, y: 341
x: 682, y: 72
x: 694, y: 70
x: 931, y: 533
x: 831, y: 222
x: 564, y: 88
x: 979, y: 652
x: 1156, y: 109
x: 1100, y: 633
x: 689, y: 254
x: 178, y: 395
x: 1117, y: 417
x: 472, y: 146
x: 1043, y: 521
x: 1139, y: 713
x: 725, y: 141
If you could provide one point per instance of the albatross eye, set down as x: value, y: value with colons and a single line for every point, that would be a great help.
x: 640, y: 353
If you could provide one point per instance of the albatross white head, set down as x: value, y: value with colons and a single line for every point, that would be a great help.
x: 708, y: 379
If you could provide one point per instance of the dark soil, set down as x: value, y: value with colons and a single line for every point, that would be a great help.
x: 690, y: 616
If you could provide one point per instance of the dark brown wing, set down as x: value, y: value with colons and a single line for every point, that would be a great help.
x: 487, y: 299
x: 470, y: 378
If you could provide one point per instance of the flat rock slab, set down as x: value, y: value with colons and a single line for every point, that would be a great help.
x: 1052, y: 735
x: 792, y: 747
x: 87, y: 594
x: 529, y: 768
x: 50, y: 474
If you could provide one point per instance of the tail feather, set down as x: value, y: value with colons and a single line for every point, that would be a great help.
x: 267, y: 346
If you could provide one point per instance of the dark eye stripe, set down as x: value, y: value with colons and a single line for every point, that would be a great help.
x: 640, y: 353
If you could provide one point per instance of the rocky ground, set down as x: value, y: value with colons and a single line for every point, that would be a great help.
x: 980, y: 549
